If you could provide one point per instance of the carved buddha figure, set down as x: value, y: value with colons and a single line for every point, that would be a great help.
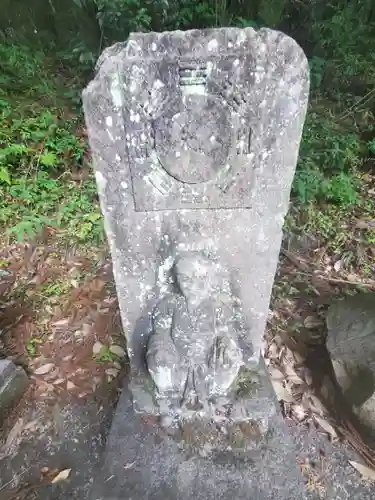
x: 193, y: 351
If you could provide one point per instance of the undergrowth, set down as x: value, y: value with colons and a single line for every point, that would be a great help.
x: 45, y: 180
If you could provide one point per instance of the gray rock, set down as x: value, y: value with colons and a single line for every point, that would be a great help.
x: 351, y: 342
x: 13, y: 383
x: 351, y: 329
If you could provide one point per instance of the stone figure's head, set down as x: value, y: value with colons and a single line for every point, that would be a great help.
x: 197, y: 276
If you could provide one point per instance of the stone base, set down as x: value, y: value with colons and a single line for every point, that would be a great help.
x: 143, y: 461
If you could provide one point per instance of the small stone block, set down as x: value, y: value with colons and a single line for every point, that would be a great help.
x: 13, y: 383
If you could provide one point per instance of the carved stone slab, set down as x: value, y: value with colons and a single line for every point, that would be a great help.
x: 195, y: 138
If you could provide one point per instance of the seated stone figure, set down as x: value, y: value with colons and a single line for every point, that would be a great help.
x: 192, y: 351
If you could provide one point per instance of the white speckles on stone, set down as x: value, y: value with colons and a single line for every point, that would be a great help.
x: 178, y: 154
x: 162, y: 376
x: 134, y: 117
x: 212, y: 45
x: 109, y: 121
x: 143, y: 137
x: 230, y: 45
x: 116, y: 91
x: 133, y: 87
x: 212, y: 138
x: 258, y: 77
x: 241, y: 38
x: 124, y: 185
x: 100, y: 180
x: 118, y: 157
x: 158, y: 84
x: 163, y: 272
x: 241, y: 145
x: 236, y: 62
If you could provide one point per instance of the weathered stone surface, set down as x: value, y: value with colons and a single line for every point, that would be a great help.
x: 144, y: 461
x: 13, y: 383
x: 351, y: 329
x: 195, y: 138
x: 351, y: 342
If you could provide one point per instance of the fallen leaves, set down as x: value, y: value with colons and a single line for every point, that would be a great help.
x: 365, y: 471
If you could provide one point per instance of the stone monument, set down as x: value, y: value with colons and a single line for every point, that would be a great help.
x: 195, y: 139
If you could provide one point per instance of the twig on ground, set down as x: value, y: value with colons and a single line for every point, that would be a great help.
x: 297, y: 261
x: 370, y: 285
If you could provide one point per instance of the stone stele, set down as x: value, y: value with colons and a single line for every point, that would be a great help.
x: 195, y: 138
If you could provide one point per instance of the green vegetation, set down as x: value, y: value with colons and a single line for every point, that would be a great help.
x: 48, y: 52
x: 44, y: 153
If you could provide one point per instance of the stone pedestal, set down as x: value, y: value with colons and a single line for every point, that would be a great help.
x: 200, y: 461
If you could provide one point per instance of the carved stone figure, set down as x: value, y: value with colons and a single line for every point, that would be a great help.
x: 192, y: 351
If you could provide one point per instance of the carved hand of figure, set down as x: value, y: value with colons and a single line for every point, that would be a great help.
x: 224, y: 363
x: 163, y: 360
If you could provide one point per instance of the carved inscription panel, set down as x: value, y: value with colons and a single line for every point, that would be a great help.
x: 189, y: 134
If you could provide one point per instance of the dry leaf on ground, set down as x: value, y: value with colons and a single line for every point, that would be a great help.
x: 312, y: 322
x: 326, y: 426
x: 42, y: 370
x: 363, y: 470
x: 61, y: 476
x: 282, y: 392
x: 117, y: 350
x: 97, y: 347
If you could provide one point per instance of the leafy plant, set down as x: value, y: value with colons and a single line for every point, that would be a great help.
x: 105, y: 355
x: 328, y: 163
x: 32, y: 346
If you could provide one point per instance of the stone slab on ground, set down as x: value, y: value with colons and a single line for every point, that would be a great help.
x: 144, y: 461
x: 13, y: 383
